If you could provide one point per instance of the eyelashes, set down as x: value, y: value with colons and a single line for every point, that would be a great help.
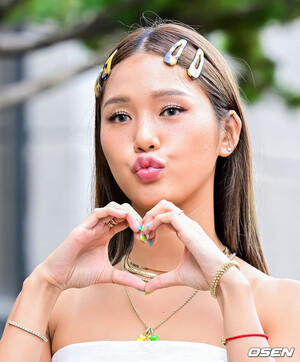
x: 114, y: 115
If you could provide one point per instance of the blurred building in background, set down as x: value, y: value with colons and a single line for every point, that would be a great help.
x: 46, y: 160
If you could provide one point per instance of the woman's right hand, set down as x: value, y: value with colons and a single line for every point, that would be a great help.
x: 82, y: 258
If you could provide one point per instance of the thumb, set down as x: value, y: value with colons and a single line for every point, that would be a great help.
x: 165, y: 280
x: 127, y: 279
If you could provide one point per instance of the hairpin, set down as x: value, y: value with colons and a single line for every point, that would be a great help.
x: 171, y: 59
x: 105, y: 71
x: 194, y: 72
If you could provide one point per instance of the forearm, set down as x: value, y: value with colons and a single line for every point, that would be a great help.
x: 32, y: 309
x: 236, y: 301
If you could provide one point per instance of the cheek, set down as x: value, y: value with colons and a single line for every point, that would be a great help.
x: 114, y: 146
x: 196, y: 148
x: 111, y: 143
x: 106, y: 143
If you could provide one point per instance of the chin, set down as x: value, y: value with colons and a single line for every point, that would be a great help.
x: 147, y: 203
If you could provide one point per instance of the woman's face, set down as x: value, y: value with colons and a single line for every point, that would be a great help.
x: 180, y: 130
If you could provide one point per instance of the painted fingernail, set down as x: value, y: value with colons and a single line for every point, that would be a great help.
x: 138, y: 226
x: 142, y: 237
x: 147, y: 293
x: 140, y: 290
x: 148, y: 225
x: 150, y: 242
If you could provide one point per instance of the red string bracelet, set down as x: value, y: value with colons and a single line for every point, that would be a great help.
x: 225, y: 340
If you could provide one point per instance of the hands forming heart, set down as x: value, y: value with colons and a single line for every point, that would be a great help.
x: 82, y: 258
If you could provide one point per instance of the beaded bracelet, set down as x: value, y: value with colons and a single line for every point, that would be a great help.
x: 27, y: 330
x: 225, y: 340
x: 218, y: 275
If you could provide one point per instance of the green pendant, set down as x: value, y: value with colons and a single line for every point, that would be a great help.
x: 148, y: 336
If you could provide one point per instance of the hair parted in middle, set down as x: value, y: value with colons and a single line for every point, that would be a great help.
x: 234, y: 205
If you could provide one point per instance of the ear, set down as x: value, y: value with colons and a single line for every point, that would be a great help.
x: 232, y: 126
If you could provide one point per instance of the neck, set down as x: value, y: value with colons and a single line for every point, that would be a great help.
x: 167, y: 252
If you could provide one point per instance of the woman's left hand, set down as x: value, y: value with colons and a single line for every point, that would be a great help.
x: 201, y: 258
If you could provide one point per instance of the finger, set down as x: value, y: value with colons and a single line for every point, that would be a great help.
x: 162, y: 207
x: 105, y: 214
x: 136, y: 216
x: 164, y: 280
x: 171, y: 218
x: 102, y: 214
x: 130, y: 280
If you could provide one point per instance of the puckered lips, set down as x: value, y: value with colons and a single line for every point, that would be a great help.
x: 148, y: 168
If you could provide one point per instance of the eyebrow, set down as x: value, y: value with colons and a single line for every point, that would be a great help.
x: 156, y: 94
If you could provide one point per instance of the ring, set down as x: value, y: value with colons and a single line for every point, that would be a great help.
x: 180, y: 212
x: 111, y: 276
x: 111, y: 223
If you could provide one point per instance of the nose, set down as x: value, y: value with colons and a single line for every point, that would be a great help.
x: 146, y: 135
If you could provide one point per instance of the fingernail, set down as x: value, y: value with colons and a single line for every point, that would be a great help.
x: 147, y: 293
x: 147, y: 236
x: 138, y: 226
x: 150, y: 242
x: 142, y: 237
x: 140, y: 290
x: 148, y: 225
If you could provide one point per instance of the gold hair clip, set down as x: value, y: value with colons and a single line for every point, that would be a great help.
x: 97, y: 88
x: 171, y: 59
x: 194, y: 72
x: 105, y: 71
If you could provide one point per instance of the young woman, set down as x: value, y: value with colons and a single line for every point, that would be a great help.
x: 168, y: 266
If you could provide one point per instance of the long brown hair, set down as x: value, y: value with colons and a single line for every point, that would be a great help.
x: 234, y: 205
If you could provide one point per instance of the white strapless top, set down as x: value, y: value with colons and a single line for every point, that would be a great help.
x: 128, y: 351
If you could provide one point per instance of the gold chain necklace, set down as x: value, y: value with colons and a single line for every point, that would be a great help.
x: 146, y: 273
x: 149, y: 331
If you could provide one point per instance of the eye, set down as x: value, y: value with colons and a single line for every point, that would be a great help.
x: 118, y: 115
x: 173, y: 109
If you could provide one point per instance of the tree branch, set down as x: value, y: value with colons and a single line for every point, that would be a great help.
x: 16, y: 43
x: 12, y: 44
x: 7, y: 5
x: 17, y: 93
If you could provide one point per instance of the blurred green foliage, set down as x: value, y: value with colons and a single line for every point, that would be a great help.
x: 239, y: 22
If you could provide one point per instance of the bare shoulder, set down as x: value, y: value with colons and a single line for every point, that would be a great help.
x: 268, y: 287
x: 64, y: 301
x: 277, y: 301
x: 281, y: 306
x: 73, y: 308
x: 66, y: 308
x: 282, y: 296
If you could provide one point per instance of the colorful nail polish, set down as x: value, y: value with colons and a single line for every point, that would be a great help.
x: 148, y: 225
x: 142, y: 237
x: 139, y: 226
x: 147, y: 293
x: 150, y: 242
x: 140, y: 290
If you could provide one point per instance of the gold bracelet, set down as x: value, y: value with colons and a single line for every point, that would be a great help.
x: 218, y: 275
x: 27, y: 330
